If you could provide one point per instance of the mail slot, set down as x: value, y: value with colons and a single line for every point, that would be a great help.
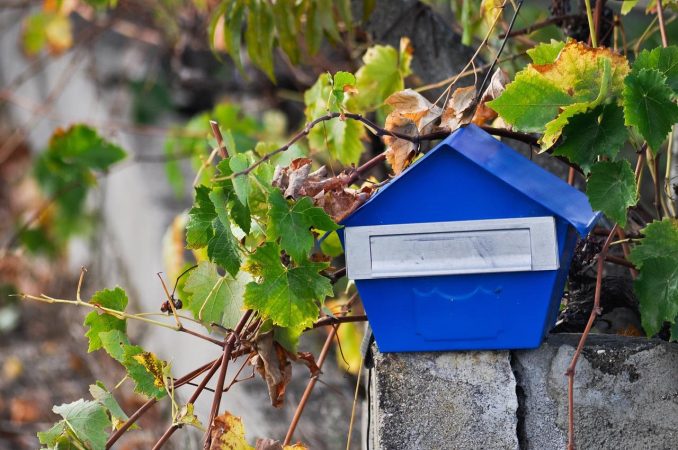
x: 448, y: 248
x: 467, y: 249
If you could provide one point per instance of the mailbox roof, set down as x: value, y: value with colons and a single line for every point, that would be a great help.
x: 508, y: 165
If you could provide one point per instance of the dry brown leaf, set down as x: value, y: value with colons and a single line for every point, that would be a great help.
x: 497, y: 85
x: 272, y: 364
x: 459, y: 109
x: 412, y: 105
x: 228, y: 433
x: 399, y: 152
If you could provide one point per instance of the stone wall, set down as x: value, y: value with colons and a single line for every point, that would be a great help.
x: 626, y: 397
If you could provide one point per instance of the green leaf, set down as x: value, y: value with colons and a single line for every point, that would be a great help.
x: 627, y: 6
x: 546, y: 53
x: 99, y: 322
x: 34, y: 38
x: 660, y: 239
x: 241, y: 184
x: 87, y: 420
x: 663, y: 59
x: 81, y: 145
x: 287, y: 337
x: 657, y: 289
x: 286, y: 27
x: 656, y: 257
x: 649, y: 106
x: 144, y: 368
x: 289, y: 295
x: 215, y: 298
x: 340, y: 82
x: 611, y: 188
x: 530, y: 101
x: 292, y: 224
x: 114, y: 343
x: 341, y: 137
x: 383, y: 73
x: 260, y: 35
x: 200, y: 217
x: 600, y: 132
x: 223, y: 248
x: 106, y: 399
x: 51, y: 436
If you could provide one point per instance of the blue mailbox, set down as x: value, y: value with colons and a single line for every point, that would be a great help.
x: 467, y: 249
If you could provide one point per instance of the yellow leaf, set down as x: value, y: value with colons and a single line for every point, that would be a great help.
x: 228, y: 433
x: 59, y: 34
x: 154, y: 366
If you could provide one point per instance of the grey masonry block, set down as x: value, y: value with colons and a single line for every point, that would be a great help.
x: 626, y: 397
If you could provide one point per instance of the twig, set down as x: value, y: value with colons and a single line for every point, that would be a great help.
x: 625, y: 248
x: 329, y: 320
x: 168, y: 433
x: 662, y: 25
x: 228, y: 348
x: 621, y: 261
x: 142, y: 410
x: 595, y: 311
x: 309, y: 387
x: 589, y: 18
x: 223, y: 151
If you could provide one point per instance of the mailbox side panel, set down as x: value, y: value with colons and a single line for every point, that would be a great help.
x: 466, y: 312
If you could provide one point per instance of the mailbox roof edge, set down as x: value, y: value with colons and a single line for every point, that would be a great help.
x: 503, y: 162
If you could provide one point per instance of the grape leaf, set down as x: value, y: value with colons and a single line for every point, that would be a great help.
x: 145, y: 369
x: 228, y: 433
x: 114, y: 343
x: 663, y: 59
x: 530, y: 101
x: 99, y: 322
x: 260, y: 36
x: 383, y: 73
x: 649, y: 106
x: 213, y: 298
x: 546, y: 52
x: 186, y: 416
x: 342, y: 82
x: 200, y: 217
x: 51, y: 436
x: 241, y: 184
x: 289, y: 296
x: 578, y: 70
x: 106, y: 399
x: 222, y: 248
x: 627, y: 6
x: 292, y: 224
x: 554, y: 128
x: 341, y: 137
x: 656, y: 257
x: 611, y: 188
x: 81, y: 145
x: 588, y: 135
x: 286, y: 27
x: 33, y: 37
x: 87, y: 420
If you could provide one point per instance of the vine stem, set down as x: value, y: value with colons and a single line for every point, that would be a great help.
x: 589, y: 18
x: 228, y: 348
x: 662, y: 25
x: 142, y: 410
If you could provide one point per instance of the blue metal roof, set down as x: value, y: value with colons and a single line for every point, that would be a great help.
x: 503, y: 162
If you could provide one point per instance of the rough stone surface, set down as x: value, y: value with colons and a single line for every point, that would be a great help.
x: 626, y: 393
x: 626, y: 397
x: 443, y: 400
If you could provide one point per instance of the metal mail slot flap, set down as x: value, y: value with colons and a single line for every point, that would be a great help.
x: 449, y: 248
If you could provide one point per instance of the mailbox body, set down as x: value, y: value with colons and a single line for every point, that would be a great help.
x: 467, y: 249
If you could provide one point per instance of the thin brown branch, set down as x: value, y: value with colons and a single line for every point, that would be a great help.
x: 226, y: 356
x: 202, y: 386
x: 223, y: 151
x: 662, y: 24
x: 627, y: 251
x: 620, y: 261
x: 142, y: 410
x: 595, y: 311
x: 309, y: 387
x: 330, y: 320
x: 204, y: 337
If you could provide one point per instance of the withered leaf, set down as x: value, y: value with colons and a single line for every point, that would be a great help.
x: 459, y: 109
x: 228, y: 433
x: 400, y: 152
x: 412, y: 105
x: 272, y: 364
x: 497, y: 85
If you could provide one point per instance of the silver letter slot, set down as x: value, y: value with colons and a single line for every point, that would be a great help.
x: 450, y: 248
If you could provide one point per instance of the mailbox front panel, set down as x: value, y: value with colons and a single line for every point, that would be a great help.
x: 451, y: 248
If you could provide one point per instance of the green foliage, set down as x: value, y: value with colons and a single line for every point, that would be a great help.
x: 200, y: 218
x: 84, y: 424
x: 649, y: 105
x: 598, y: 132
x: 545, y: 53
x: 288, y: 294
x: 611, y: 188
x: 663, y: 59
x: 272, y: 24
x: 214, y: 298
x: 65, y: 171
x: 99, y: 393
x: 291, y: 224
x: 100, y: 322
x: 222, y: 247
x: 656, y: 257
